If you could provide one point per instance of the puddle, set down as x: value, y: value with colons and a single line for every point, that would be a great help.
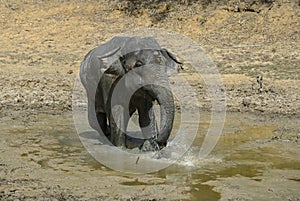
x: 246, y: 149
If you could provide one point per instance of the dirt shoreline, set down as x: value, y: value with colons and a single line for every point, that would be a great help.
x: 27, y: 92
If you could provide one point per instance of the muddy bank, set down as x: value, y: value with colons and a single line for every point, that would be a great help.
x: 47, y: 92
x: 43, y: 44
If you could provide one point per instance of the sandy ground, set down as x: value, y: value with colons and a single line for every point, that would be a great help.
x: 43, y: 43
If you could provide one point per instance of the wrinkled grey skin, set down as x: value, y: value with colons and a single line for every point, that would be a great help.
x: 103, y: 69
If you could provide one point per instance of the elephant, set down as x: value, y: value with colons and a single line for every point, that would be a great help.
x: 128, y: 74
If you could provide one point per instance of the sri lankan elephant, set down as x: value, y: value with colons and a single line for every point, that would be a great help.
x: 124, y: 75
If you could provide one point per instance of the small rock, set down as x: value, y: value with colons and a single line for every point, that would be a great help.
x: 246, y: 102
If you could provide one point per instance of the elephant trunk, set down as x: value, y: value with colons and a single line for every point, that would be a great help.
x: 156, y: 84
x: 166, y: 101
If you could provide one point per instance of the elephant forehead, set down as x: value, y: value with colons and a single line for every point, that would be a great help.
x: 151, y: 71
x: 150, y: 56
x: 156, y: 58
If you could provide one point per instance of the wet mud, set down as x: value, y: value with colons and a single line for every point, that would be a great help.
x: 255, y: 159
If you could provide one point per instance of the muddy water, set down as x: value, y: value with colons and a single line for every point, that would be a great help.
x: 252, y: 156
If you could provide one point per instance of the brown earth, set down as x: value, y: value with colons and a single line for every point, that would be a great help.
x: 43, y: 43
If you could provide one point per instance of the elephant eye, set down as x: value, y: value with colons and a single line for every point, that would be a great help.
x: 138, y: 64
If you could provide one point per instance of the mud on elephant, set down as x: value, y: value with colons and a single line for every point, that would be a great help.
x: 124, y: 75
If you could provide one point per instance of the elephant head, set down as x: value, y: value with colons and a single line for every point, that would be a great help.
x: 146, y: 67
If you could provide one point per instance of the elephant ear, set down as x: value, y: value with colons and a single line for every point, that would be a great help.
x: 108, y: 54
x: 110, y: 62
x: 173, y: 65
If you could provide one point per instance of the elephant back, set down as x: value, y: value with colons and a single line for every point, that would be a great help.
x: 137, y: 43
